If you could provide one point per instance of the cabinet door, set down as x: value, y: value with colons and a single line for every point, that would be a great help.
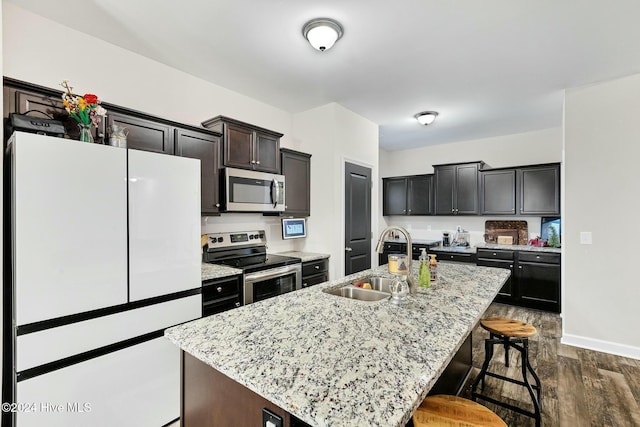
x: 466, y: 196
x: 420, y: 195
x: 394, y: 196
x: 506, y: 293
x: 238, y: 146
x: 69, y: 199
x: 23, y: 101
x: 135, y: 386
x: 539, y: 190
x: 539, y: 285
x: 164, y: 224
x: 267, y: 153
x: 205, y: 148
x: 498, y: 192
x: 145, y: 135
x: 296, y: 167
x: 445, y: 184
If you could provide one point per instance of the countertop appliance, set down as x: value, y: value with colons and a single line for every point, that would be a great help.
x: 251, y: 191
x: 264, y: 275
x: 446, y: 239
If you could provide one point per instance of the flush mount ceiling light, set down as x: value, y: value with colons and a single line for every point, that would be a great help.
x: 322, y: 33
x: 426, y: 117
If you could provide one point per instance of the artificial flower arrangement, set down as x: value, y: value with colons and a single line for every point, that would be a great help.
x: 86, y: 110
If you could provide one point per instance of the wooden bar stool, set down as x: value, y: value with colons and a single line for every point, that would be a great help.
x: 511, y: 334
x: 453, y: 411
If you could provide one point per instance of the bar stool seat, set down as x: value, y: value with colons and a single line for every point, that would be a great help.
x: 452, y: 411
x: 515, y: 334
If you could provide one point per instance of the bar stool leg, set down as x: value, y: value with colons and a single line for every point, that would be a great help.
x: 535, y: 376
x: 525, y: 367
x: 488, y: 355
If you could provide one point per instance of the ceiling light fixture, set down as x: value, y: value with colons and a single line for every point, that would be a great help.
x: 426, y: 117
x: 322, y: 33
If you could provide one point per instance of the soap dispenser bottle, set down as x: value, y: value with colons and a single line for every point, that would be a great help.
x: 424, y: 275
x: 433, y: 267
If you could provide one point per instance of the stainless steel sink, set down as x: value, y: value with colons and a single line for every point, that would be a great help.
x: 358, y: 293
x: 379, y: 289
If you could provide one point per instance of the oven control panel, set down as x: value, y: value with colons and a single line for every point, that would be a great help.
x: 231, y: 239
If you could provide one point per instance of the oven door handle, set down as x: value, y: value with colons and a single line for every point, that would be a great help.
x: 271, y: 274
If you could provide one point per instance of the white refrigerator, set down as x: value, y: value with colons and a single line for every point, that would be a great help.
x: 105, y: 255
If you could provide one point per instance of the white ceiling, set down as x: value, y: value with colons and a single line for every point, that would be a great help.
x: 491, y: 67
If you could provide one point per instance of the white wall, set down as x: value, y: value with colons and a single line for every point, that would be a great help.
x: 332, y: 135
x: 512, y: 150
x: 601, y: 188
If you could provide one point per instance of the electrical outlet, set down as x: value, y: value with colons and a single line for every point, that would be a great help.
x: 586, y: 238
x: 269, y: 419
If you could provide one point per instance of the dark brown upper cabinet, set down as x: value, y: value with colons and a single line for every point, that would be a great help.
x: 408, y: 195
x: 498, y: 192
x: 206, y: 148
x: 296, y: 167
x: 143, y: 134
x: 247, y: 146
x: 539, y: 190
x: 457, y: 188
x: 47, y: 105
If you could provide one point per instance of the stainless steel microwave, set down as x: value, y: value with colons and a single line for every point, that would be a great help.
x: 251, y: 191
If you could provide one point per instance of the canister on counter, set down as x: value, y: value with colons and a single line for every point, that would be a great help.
x: 398, y: 264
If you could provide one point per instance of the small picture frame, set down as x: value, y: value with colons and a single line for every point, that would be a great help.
x: 294, y: 228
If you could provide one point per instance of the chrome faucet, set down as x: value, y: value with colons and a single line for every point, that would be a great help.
x: 380, y: 248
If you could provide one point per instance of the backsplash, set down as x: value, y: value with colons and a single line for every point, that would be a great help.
x: 272, y: 226
x: 432, y: 227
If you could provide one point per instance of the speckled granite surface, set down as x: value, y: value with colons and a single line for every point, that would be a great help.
x: 454, y: 249
x: 520, y: 248
x: 215, y: 271
x: 333, y: 361
x: 473, y: 250
x: 416, y: 241
x: 304, y: 256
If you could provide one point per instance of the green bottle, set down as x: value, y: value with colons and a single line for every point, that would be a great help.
x: 424, y: 276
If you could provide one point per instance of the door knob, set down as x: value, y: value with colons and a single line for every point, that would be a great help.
x: 348, y: 249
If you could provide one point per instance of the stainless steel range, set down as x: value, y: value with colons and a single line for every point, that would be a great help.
x: 264, y: 275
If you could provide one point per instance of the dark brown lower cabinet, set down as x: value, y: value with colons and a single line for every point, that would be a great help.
x: 315, y: 272
x: 539, y: 281
x: 534, y: 281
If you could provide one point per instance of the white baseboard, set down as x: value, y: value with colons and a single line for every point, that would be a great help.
x: 602, y: 346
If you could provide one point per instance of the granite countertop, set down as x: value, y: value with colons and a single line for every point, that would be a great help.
x: 473, y: 249
x: 216, y: 271
x: 458, y: 249
x: 519, y: 248
x: 332, y: 361
x: 416, y: 241
x: 305, y: 256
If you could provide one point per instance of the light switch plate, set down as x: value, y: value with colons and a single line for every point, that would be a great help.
x: 586, y: 238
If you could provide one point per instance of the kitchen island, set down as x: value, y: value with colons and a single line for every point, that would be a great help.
x: 329, y: 360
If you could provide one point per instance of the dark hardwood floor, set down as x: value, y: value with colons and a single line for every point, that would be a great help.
x: 579, y: 387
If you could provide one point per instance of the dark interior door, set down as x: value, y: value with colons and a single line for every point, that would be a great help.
x: 357, y: 221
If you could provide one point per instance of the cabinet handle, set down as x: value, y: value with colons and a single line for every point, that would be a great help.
x: 451, y: 256
x: 511, y: 266
x: 317, y: 267
x: 237, y: 304
x: 253, y: 162
x: 219, y: 289
x: 404, y: 211
x: 217, y: 205
x: 453, y: 210
x: 494, y: 254
x: 520, y: 267
x: 537, y: 256
x: 258, y: 162
x: 409, y: 210
x: 304, y: 285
